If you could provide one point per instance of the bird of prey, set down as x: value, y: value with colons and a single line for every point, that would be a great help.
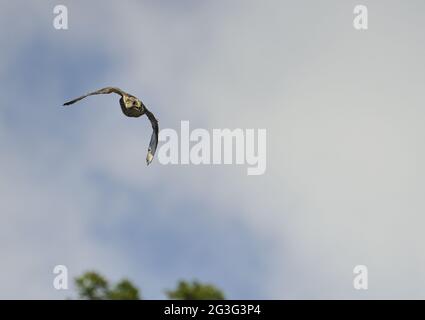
x: 131, y: 107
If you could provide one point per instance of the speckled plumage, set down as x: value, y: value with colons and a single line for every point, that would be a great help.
x: 131, y: 106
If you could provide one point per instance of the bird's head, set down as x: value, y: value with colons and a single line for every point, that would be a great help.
x: 132, y: 102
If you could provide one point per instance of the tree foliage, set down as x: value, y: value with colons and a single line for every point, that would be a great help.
x: 93, y: 286
x: 124, y: 290
x: 195, y: 291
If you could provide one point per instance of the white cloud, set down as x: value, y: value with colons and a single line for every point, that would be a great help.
x: 343, y: 113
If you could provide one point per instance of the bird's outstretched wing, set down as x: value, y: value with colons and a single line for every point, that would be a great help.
x: 106, y: 90
x: 154, y: 137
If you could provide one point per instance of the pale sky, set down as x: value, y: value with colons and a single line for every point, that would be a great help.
x: 344, y: 114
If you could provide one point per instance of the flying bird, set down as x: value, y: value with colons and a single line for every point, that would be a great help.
x: 131, y: 106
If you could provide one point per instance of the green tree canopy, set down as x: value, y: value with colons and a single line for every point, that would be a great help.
x: 195, y: 291
x: 124, y: 290
x: 93, y: 286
